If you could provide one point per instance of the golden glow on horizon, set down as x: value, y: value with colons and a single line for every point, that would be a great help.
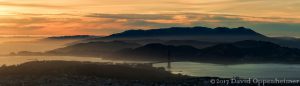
x: 4, y: 9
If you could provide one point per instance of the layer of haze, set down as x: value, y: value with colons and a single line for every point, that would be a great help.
x: 103, y: 17
x: 35, y: 44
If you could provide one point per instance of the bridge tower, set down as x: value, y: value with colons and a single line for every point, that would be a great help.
x: 169, y: 59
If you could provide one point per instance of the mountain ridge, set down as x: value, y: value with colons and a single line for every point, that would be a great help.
x: 198, y: 33
x: 237, y: 52
x: 186, y: 31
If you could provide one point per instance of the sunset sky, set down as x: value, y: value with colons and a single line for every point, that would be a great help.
x: 104, y: 17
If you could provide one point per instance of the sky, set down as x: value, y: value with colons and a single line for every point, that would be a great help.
x: 104, y: 17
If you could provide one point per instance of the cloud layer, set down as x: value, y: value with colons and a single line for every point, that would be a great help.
x: 105, y: 24
x: 104, y: 17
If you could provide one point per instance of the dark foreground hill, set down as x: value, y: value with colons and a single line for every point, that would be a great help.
x: 71, y: 73
x: 72, y: 68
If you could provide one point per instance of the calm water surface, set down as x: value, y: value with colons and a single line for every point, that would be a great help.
x: 267, y: 71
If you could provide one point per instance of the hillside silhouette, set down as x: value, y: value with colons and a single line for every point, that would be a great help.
x: 186, y: 31
x: 73, y: 73
x: 185, y: 44
x: 247, y: 51
x: 73, y: 68
x: 198, y: 33
x: 219, y: 34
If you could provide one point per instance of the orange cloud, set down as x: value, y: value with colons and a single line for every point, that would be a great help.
x: 28, y: 5
x: 105, y: 24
